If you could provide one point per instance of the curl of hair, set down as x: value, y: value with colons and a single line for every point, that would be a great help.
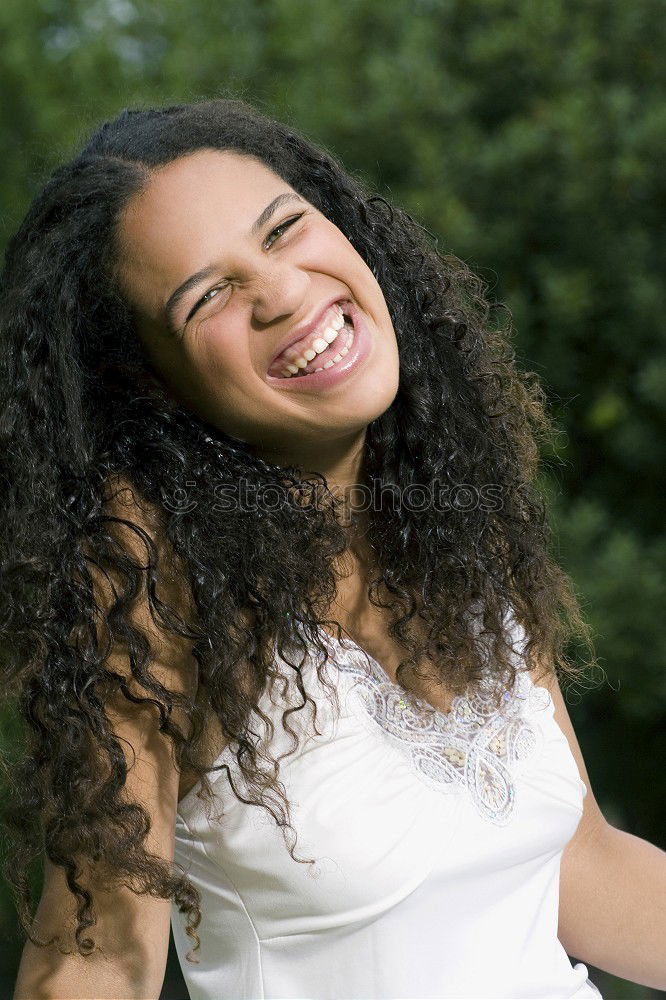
x: 82, y: 411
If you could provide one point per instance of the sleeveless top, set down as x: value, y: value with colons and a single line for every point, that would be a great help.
x: 436, y: 839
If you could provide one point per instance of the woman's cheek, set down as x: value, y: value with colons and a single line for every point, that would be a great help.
x: 226, y: 353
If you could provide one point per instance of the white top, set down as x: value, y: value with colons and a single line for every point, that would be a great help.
x: 437, y: 840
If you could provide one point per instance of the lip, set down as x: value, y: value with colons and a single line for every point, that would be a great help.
x: 340, y: 371
x: 306, y: 329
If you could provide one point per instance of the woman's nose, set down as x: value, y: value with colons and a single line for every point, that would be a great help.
x: 279, y: 291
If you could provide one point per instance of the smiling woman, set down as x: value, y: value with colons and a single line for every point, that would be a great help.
x: 217, y: 344
x: 200, y: 253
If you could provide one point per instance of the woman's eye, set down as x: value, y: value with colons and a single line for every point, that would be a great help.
x: 277, y: 232
x: 209, y: 295
x: 204, y: 300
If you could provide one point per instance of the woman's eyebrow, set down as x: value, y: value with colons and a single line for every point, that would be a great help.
x: 210, y: 269
x: 273, y: 207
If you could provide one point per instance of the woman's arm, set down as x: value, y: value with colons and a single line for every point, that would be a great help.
x: 613, y: 906
x: 612, y: 888
x: 132, y: 930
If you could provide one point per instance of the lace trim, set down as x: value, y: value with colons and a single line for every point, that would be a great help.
x: 475, y: 744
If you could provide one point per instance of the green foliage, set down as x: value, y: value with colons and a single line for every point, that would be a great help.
x: 527, y: 138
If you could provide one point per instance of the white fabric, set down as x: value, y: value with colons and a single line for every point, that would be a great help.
x: 437, y: 838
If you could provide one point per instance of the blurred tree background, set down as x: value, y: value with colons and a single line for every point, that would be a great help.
x: 527, y: 137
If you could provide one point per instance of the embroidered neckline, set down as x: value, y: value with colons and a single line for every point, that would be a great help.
x: 474, y: 744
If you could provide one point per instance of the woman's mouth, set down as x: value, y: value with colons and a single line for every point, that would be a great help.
x: 326, y: 356
x: 323, y: 348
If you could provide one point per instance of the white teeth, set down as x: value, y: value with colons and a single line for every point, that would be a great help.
x: 293, y: 365
x: 326, y: 338
x: 318, y: 347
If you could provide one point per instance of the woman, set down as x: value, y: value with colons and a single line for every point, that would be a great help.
x: 278, y: 600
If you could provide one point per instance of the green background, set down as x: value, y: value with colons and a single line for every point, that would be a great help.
x: 529, y: 137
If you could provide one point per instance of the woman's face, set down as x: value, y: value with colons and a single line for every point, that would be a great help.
x: 222, y: 277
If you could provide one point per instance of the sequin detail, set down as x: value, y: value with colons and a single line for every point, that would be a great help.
x: 475, y: 745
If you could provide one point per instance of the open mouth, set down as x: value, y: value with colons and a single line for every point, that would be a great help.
x: 324, y: 350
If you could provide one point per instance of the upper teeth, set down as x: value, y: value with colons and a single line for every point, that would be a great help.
x: 295, y: 358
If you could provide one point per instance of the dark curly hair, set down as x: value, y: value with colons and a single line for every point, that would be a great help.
x: 84, y: 417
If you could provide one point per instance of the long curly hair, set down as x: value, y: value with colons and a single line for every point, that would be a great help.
x: 84, y: 416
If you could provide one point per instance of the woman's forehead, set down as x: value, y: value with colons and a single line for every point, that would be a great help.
x: 205, y: 186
